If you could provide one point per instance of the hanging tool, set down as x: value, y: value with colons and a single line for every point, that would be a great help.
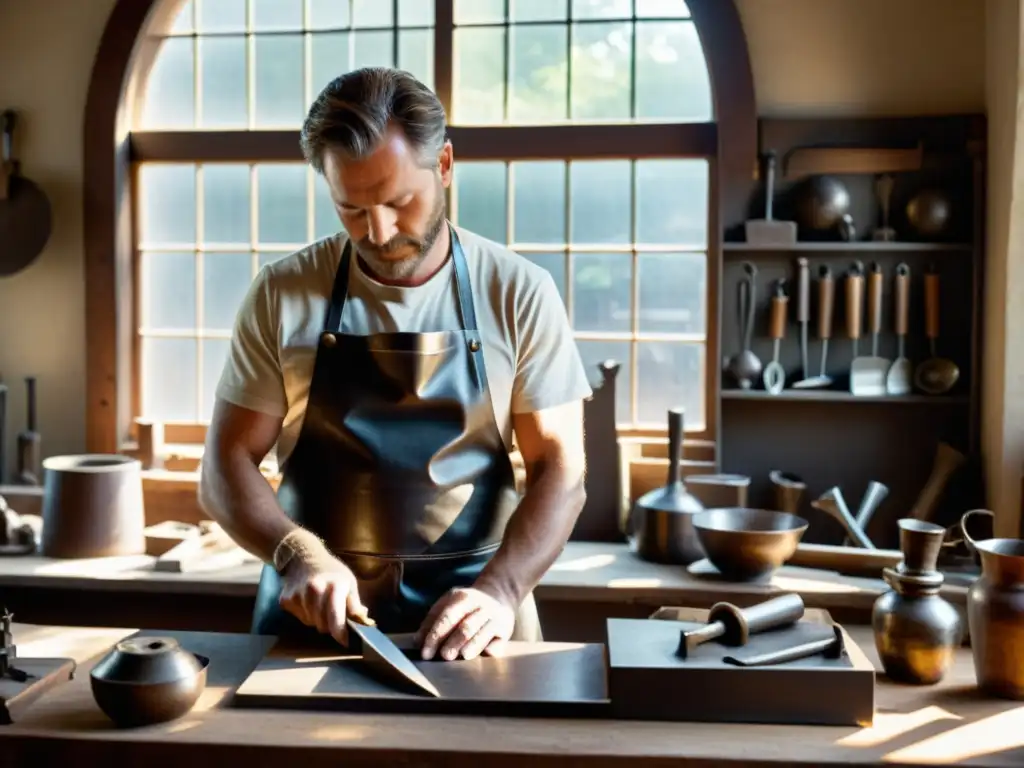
x: 867, y: 374
x: 854, y: 310
x: 774, y: 373
x: 898, y: 379
x: 803, y: 317
x: 826, y: 303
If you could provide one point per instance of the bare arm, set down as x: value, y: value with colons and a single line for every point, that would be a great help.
x: 232, y: 490
x: 551, y: 442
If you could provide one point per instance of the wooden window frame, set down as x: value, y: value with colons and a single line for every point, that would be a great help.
x: 127, y: 50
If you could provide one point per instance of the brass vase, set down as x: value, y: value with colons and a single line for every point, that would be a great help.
x: 916, y: 631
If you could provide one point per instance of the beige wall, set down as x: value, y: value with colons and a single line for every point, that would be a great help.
x: 809, y: 56
x: 1003, y: 404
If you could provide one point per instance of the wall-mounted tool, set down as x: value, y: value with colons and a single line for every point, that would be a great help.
x: 826, y: 303
x: 25, y: 217
x: 897, y: 380
x: 867, y: 374
x: 29, y: 441
x: 767, y: 231
x: 774, y: 373
x: 745, y: 367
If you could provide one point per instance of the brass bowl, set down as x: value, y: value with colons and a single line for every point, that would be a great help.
x: 747, y: 544
x: 146, y: 680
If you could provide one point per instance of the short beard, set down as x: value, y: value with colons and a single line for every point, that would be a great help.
x: 403, y: 269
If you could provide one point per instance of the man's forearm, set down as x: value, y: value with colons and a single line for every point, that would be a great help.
x: 536, y: 533
x: 234, y: 492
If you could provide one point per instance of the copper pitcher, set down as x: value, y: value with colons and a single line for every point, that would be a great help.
x: 995, y: 613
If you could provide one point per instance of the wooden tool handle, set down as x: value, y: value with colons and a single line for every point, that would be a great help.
x: 826, y: 301
x: 902, y: 295
x: 741, y: 623
x: 854, y: 300
x: 803, y: 307
x: 777, y: 330
x: 931, y: 303
x: 875, y: 279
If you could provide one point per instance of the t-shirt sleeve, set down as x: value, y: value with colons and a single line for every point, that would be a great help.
x: 252, y: 377
x: 549, y: 369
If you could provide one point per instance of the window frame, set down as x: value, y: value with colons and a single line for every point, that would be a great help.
x: 112, y: 153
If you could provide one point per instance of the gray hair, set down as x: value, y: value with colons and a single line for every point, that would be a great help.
x: 354, y: 111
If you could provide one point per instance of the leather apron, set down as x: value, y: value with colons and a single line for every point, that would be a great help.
x: 399, y: 466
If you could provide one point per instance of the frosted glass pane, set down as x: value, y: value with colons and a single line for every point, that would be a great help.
x: 169, y: 379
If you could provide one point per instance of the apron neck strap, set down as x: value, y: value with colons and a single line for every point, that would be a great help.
x: 463, y: 287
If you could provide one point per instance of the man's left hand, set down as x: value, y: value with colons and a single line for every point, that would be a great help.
x: 467, y: 622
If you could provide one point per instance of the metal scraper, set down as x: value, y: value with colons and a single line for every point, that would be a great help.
x: 381, y: 653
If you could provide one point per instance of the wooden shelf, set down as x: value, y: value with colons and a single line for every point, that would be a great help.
x: 839, y: 396
x: 827, y: 247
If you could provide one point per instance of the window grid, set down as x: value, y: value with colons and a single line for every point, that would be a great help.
x: 634, y: 336
x: 199, y: 249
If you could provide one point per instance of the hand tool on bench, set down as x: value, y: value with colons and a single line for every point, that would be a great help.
x: 381, y: 653
x: 733, y: 626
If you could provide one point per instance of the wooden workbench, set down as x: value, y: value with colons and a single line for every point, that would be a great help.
x: 947, y: 724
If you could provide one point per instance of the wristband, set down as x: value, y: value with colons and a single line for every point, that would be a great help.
x: 301, y: 545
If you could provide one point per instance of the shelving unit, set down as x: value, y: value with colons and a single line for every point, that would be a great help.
x: 835, y: 396
x: 844, y: 247
x: 822, y: 435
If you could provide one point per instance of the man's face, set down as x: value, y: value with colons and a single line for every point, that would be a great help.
x: 392, y: 207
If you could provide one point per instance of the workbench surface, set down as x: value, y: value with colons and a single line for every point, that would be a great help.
x: 947, y: 724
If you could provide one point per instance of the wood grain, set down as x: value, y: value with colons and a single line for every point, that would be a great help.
x: 914, y: 725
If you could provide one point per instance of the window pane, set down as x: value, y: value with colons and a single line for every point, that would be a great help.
x: 479, y: 11
x: 479, y: 77
x: 168, y: 291
x: 602, y: 9
x: 416, y: 54
x: 662, y: 9
x: 276, y: 15
x: 282, y: 203
x: 671, y: 75
x: 538, y: 73
x: 330, y: 58
x: 416, y: 13
x: 325, y: 217
x: 328, y: 14
x: 481, y: 199
x: 215, y: 354
x: 372, y: 13
x: 226, y: 204
x: 226, y: 278
x: 539, y: 209
x: 600, y: 201
x: 538, y: 10
x: 222, y: 75
x: 169, y: 379
x: 372, y: 49
x: 554, y: 263
x: 169, y: 100
x: 673, y: 292
x: 602, y: 292
x: 672, y: 202
x: 167, y: 199
x: 596, y: 352
x: 221, y: 16
x: 279, y: 91
x: 670, y: 375
x: 601, y: 87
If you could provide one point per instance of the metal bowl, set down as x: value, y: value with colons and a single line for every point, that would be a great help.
x: 148, y: 680
x: 747, y: 544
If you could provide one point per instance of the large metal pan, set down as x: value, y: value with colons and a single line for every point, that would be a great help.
x: 25, y: 218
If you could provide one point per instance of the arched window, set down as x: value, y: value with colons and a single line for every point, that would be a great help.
x: 586, y: 135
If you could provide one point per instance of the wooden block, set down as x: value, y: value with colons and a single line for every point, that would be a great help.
x: 163, y: 537
x: 648, y: 681
x: 212, y: 549
x: 44, y: 675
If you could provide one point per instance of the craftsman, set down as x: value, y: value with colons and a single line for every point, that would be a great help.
x: 391, y: 365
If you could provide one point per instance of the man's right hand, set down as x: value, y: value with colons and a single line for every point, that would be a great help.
x: 323, y: 596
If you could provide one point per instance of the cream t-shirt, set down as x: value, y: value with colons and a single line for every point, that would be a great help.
x: 531, y: 358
